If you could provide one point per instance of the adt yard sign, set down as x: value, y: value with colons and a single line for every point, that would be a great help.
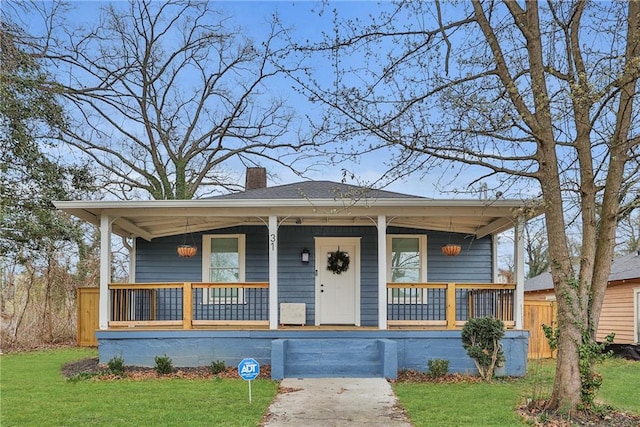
x: 249, y: 369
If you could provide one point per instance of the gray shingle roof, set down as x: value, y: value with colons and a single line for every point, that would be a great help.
x: 315, y: 190
x: 624, y: 267
x: 541, y: 282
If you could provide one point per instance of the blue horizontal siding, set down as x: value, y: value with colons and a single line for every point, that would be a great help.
x: 472, y: 265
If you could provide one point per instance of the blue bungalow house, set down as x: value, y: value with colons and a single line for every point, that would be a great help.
x: 315, y: 279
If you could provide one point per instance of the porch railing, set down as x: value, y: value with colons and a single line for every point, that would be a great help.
x: 218, y: 305
x: 189, y: 305
x: 448, y: 305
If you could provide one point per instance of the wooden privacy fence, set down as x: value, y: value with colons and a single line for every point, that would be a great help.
x: 88, y: 300
x: 537, y: 313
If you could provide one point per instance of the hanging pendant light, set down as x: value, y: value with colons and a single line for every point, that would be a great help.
x: 187, y: 250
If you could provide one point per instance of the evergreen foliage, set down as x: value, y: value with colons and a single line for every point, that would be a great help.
x: 481, y: 338
x: 164, y: 365
x: 30, y: 176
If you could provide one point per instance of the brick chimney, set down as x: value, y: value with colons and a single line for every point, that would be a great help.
x: 256, y: 178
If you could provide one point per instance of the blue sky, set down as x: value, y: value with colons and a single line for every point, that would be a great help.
x: 308, y: 20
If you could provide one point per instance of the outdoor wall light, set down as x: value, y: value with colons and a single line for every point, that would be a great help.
x: 304, y: 256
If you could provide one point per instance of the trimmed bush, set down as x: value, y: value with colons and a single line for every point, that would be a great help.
x: 481, y: 338
x: 116, y: 365
x: 217, y: 366
x: 164, y: 365
x: 438, y: 367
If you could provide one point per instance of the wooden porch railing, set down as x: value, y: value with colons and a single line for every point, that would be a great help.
x: 218, y: 305
x: 188, y: 305
x: 448, y: 305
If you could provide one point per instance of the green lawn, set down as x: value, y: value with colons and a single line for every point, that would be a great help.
x: 34, y: 393
x: 481, y: 404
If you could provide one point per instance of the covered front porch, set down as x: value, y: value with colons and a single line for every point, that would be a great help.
x: 259, y: 283
x: 424, y: 321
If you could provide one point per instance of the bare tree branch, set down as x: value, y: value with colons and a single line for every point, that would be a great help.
x: 168, y: 93
x: 540, y: 92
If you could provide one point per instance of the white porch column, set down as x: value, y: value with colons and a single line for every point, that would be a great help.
x: 273, y: 272
x: 105, y: 271
x: 382, y: 272
x: 518, y: 250
x: 494, y: 258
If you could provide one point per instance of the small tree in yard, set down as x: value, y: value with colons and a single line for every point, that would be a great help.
x: 481, y: 338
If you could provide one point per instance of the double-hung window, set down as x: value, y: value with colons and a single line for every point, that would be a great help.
x: 407, y: 263
x: 223, y: 262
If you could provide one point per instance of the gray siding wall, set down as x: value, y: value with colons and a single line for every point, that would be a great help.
x: 157, y: 261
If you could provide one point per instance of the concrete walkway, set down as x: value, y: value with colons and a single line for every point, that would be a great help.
x: 328, y: 402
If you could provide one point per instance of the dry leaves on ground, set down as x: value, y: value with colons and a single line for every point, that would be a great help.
x: 536, y: 414
x: 92, y: 367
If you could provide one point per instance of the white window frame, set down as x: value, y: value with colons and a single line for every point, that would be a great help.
x: 419, y: 297
x: 208, y: 295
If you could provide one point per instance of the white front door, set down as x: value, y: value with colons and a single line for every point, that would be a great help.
x: 337, y: 295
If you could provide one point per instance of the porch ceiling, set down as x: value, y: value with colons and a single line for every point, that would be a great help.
x: 157, y: 218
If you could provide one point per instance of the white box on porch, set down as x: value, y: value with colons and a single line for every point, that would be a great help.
x: 293, y: 313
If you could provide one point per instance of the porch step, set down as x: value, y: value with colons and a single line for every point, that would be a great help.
x: 333, y: 358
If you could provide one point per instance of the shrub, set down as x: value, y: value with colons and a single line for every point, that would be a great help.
x: 481, y: 338
x: 164, y: 365
x: 116, y: 365
x: 217, y: 366
x: 438, y: 367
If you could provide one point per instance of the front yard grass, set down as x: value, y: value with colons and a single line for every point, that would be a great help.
x: 459, y: 404
x: 33, y: 392
x: 481, y: 404
x: 621, y: 385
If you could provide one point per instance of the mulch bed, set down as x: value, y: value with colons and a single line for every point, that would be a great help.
x: 100, y: 372
x: 534, y: 413
x: 411, y: 376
